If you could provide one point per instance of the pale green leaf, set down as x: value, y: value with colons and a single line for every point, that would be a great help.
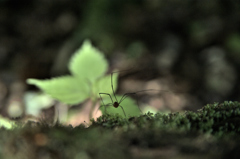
x: 103, y: 85
x: 34, y: 102
x: 67, y: 89
x: 88, y: 62
x: 6, y: 123
x: 129, y: 106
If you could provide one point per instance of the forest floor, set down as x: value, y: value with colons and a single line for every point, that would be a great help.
x: 212, y: 132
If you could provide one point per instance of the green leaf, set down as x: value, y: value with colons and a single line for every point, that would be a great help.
x: 103, y: 85
x: 34, y: 102
x: 67, y: 89
x: 88, y: 62
x: 6, y: 123
x: 129, y: 106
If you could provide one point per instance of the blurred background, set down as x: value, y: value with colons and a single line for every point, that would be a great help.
x: 189, y: 48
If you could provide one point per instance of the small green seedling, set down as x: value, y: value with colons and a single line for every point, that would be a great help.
x: 87, y: 67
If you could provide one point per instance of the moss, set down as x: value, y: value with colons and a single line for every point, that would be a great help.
x: 211, y: 132
x: 212, y: 118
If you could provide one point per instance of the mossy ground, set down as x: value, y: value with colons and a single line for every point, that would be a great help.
x: 212, y: 132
